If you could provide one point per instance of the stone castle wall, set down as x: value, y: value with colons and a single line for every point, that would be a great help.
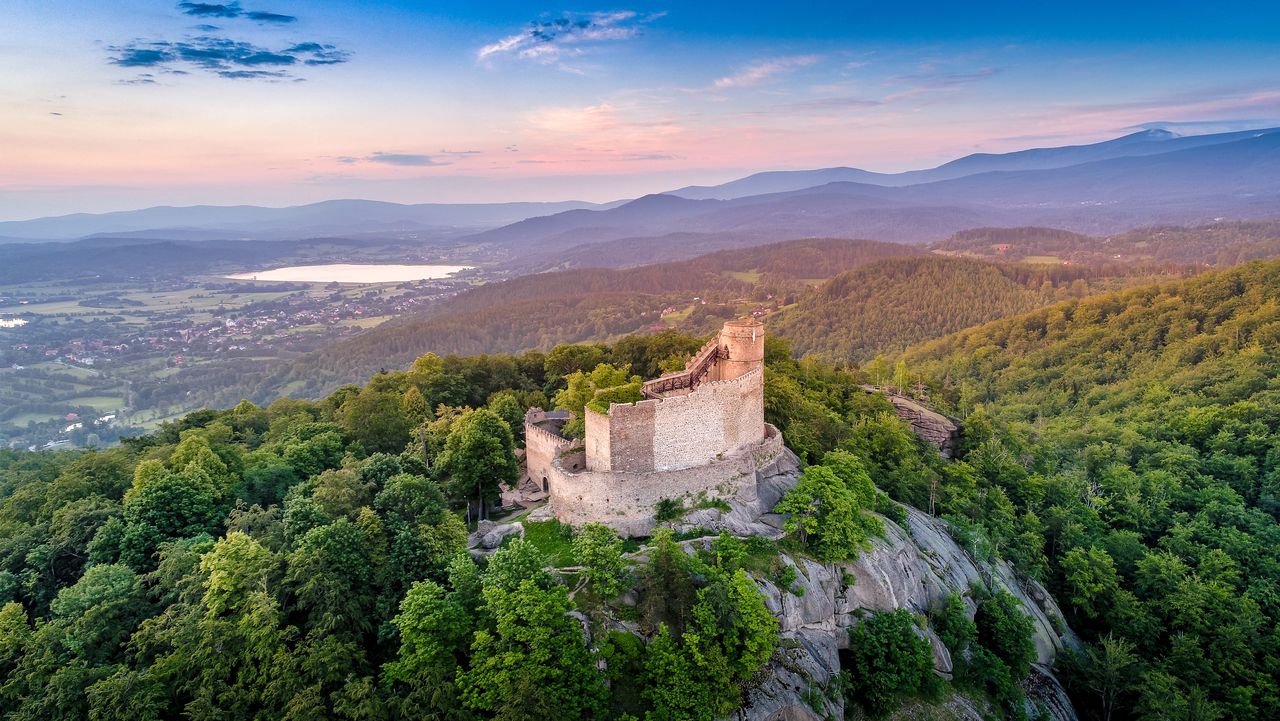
x: 541, y: 447
x: 698, y: 433
x: 626, y: 500
x: 680, y: 431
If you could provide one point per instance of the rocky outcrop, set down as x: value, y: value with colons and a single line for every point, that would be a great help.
x: 751, y: 518
x: 914, y: 567
x: 927, y: 423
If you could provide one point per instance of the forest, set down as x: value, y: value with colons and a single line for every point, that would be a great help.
x: 1129, y: 448
x: 584, y: 304
x: 1221, y: 244
x: 883, y: 307
x: 847, y: 300
x: 307, y: 559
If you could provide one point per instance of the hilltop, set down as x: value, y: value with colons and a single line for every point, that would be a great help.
x: 1132, y: 440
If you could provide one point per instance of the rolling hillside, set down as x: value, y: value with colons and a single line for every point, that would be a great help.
x: 886, y: 306
x: 1220, y: 244
x: 541, y: 310
x: 1235, y: 177
x: 1131, y: 440
x: 1144, y: 142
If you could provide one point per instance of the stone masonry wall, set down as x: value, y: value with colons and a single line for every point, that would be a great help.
x: 541, y: 447
x: 714, y: 419
x: 678, y: 432
x: 626, y: 500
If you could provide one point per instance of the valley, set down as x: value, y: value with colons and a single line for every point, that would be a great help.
x: 145, y: 324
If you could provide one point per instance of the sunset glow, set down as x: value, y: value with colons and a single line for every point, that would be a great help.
x: 132, y: 104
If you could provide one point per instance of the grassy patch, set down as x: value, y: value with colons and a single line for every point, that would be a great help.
x: 746, y: 276
x: 101, y: 403
x: 717, y: 503
x: 553, y: 539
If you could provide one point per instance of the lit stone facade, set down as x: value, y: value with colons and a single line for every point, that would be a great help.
x: 698, y: 433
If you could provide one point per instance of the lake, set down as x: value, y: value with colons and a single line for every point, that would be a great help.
x: 353, y: 273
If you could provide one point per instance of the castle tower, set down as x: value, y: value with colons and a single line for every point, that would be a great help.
x: 743, y: 342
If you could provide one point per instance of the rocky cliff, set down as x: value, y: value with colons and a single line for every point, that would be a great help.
x: 914, y: 567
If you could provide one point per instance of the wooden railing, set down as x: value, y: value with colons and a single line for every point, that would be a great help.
x: 690, y: 377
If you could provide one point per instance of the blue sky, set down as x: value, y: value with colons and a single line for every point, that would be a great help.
x: 125, y: 104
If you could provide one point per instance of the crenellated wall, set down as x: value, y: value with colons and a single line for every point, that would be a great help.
x: 699, y: 432
x: 541, y: 447
x: 712, y: 407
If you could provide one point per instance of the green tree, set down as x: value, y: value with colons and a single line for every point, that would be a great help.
x: 377, y: 419
x: 672, y: 687
x: 165, y: 507
x: 599, y: 552
x: 478, y: 456
x: 533, y: 662
x: 1109, y: 670
x: 889, y: 661
x: 667, y: 594
x: 332, y: 574
x: 824, y: 513
x: 434, y: 631
x: 1091, y: 579
x: 1007, y: 631
x: 953, y: 626
x: 597, y: 388
x: 509, y: 409
x: 566, y: 359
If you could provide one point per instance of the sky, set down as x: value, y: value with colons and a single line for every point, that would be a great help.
x: 121, y: 104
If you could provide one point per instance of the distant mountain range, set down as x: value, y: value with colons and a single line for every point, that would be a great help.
x: 1146, y: 142
x: 1145, y: 178
x: 246, y: 222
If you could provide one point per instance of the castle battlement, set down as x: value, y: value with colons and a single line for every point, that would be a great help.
x: 697, y: 432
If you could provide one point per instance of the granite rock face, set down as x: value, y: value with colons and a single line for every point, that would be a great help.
x: 912, y: 567
x: 927, y: 423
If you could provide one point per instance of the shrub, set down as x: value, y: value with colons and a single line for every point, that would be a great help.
x: 1007, y: 632
x: 667, y: 510
x: 888, y: 662
x: 951, y: 622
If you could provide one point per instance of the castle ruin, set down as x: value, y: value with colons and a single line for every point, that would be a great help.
x: 699, y: 434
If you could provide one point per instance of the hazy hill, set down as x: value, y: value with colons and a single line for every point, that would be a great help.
x: 1221, y: 244
x: 1145, y: 142
x: 1237, y: 177
x: 888, y: 305
x: 544, y: 309
x: 1170, y: 333
x: 111, y: 259
x: 1130, y: 439
x: 1140, y: 179
x: 249, y: 221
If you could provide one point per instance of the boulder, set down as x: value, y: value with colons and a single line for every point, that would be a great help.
x: 489, y: 536
x: 796, y: 678
x: 541, y: 513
